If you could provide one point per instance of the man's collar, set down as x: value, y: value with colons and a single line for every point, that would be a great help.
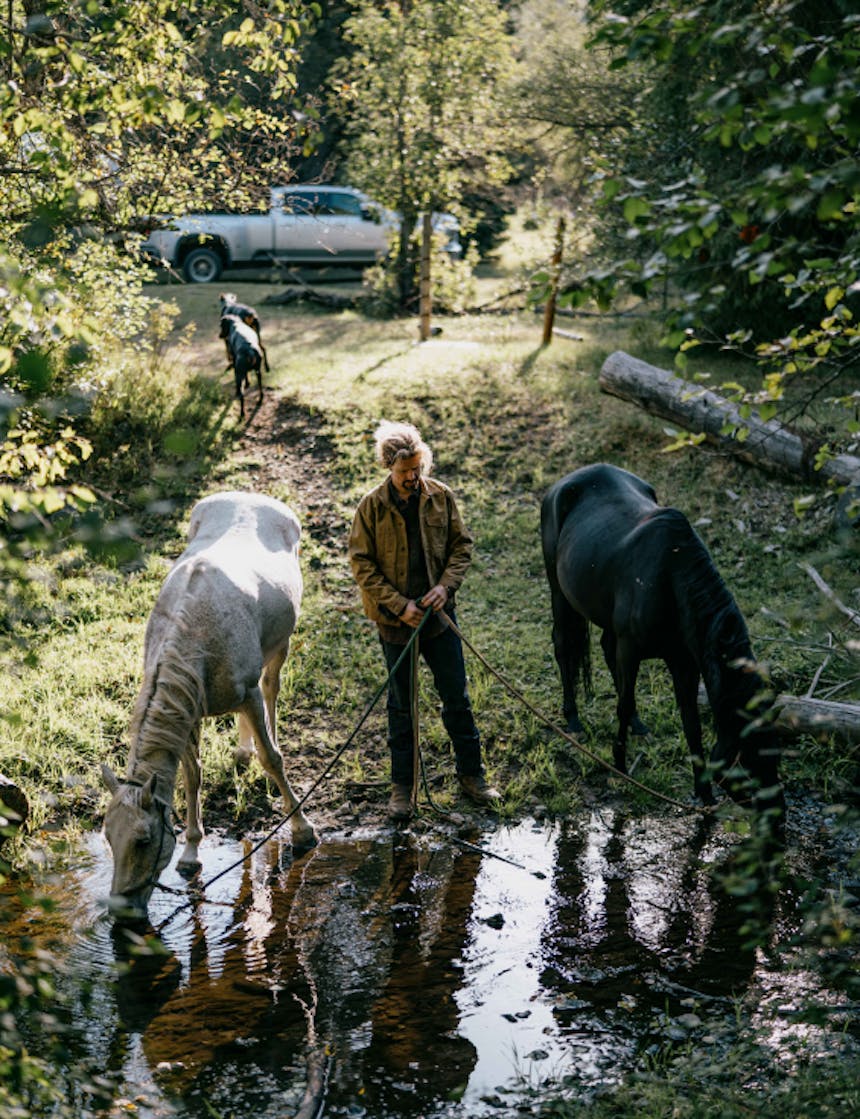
x: 402, y: 502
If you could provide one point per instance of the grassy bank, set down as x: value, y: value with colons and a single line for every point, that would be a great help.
x: 505, y: 419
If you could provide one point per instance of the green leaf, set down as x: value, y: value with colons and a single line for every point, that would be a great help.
x: 634, y: 208
x: 830, y: 205
x: 611, y: 187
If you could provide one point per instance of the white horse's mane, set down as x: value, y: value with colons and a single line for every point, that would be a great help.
x: 172, y: 703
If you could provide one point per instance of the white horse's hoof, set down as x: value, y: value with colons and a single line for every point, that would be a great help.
x: 304, y: 839
x: 189, y: 868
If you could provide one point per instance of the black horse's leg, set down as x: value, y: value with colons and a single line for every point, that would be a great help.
x: 570, y: 642
x: 685, y: 678
x: 626, y: 670
x: 607, y: 643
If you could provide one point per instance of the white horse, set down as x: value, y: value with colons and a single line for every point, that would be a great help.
x: 215, y: 643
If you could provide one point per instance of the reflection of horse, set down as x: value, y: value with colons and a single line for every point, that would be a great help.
x: 640, y: 906
x: 616, y: 558
x: 345, y: 959
x: 215, y: 643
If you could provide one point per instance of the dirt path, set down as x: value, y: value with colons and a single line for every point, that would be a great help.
x: 293, y: 452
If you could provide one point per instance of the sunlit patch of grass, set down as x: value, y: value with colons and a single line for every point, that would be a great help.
x: 505, y: 419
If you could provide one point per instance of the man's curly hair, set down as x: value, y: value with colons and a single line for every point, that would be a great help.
x: 397, y: 441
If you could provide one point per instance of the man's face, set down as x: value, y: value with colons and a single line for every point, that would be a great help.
x: 406, y: 475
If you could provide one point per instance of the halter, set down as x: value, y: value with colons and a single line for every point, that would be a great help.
x: 151, y: 879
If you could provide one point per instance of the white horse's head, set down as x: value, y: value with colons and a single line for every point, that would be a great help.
x: 138, y: 829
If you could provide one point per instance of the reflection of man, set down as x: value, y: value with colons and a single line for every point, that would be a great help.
x: 410, y: 551
x: 416, y: 1052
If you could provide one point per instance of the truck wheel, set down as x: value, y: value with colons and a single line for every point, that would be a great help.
x: 202, y: 266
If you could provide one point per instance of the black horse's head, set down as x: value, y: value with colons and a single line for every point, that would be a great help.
x: 745, y: 758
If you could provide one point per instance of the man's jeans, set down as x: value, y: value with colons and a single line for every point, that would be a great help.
x: 444, y: 656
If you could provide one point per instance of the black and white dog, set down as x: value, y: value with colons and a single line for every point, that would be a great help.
x: 231, y: 306
x: 245, y: 354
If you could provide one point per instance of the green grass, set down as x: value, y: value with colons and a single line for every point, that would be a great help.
x: 505, y: 419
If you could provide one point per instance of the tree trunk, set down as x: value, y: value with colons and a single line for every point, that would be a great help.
x: 555, y: 276
x: 311, y: 295
x: 405, y: 277
x: 768, y: 443
x: 425, y: 298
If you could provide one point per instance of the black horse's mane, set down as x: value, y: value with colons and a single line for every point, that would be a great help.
x: 711, y: 621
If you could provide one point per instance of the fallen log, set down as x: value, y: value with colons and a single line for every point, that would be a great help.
x: 310, y: 295
x: 765, y: 443
x: 798, y: 715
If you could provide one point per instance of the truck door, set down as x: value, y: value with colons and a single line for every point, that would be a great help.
x: 322, y: 225
x: 295, y: 220
x: 350, y: 231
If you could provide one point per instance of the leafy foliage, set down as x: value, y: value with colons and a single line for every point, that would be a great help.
x: 747, y: 175
x: 110, y: 114
x: 732, y: 190
x: 419, y: 87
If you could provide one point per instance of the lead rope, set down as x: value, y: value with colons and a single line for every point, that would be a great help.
x: 569, y: 737
x: 417, y: 762
x: 301, y: 801
x: 419, y: 766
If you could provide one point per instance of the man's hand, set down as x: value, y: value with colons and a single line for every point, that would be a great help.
x: 412, y: 615
x: 436, y: 598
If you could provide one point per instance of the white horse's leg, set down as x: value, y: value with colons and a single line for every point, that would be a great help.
x: 270, y: 682
x: 245, y: 750
x: 273, y: 763
x: 189, y: 863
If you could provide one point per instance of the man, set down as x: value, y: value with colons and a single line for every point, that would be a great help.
x: 409, y: 552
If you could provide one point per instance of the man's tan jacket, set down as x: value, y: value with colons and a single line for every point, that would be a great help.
x: 378, y: 549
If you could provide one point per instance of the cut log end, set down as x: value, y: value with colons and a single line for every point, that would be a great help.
x: 14, y: 806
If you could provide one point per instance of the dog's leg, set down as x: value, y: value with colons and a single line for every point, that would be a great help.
x: 241, y: 381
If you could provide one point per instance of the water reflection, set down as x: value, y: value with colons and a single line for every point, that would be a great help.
x: 391, y: 974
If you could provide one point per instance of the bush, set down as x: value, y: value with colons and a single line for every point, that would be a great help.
x: 452, y: 284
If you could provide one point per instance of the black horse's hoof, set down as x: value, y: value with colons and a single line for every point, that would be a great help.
x: 638, y: 727
x: 574, y: 725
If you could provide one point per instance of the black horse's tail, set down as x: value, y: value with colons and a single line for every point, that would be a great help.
x: 571, y: 631
x: 584, y: 642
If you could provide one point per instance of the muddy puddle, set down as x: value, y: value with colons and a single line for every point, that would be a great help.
x: 388, y: 974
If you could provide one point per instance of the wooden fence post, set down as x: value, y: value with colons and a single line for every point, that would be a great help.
x: 555, y: 276
x: 424, y: 297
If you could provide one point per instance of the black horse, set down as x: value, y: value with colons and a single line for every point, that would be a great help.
x: 639, y: 571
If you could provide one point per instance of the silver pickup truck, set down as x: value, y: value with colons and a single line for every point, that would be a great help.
x: 304, y: 225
